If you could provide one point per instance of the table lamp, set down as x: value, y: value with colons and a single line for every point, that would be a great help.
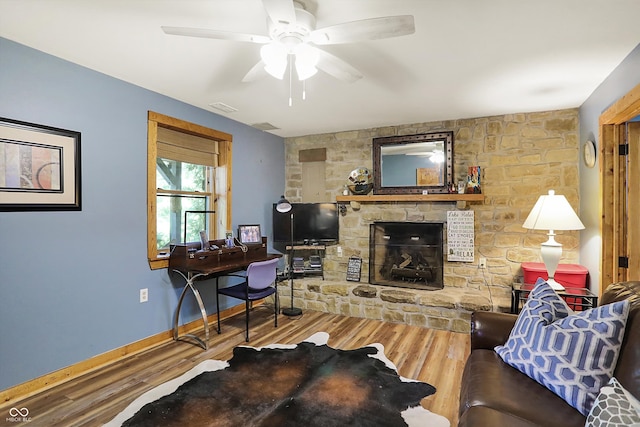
x: 283, y: 206
x: 552, y: 212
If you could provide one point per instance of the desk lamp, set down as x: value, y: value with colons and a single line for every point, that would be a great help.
x: 283, y: 206
x: 552, y: 212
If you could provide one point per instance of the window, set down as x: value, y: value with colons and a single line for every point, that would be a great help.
x: 189, y: 169
x: 184, y: 192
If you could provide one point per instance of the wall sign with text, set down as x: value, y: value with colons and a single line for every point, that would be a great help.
x: 354, y: 269
x: 460, y: 236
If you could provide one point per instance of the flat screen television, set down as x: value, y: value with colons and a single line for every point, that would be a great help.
x: 312, y: 223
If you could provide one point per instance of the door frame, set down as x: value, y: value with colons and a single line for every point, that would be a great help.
x: 611, y: 128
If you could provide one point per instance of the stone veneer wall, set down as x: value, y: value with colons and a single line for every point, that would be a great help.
x: 522, y: 156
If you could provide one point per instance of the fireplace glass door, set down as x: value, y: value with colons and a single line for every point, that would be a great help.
x: 406, y: 254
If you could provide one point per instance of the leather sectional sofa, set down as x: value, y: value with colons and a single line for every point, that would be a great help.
x: 495, y: 394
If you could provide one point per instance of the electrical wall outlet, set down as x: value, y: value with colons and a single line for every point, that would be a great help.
x: 339, y: 251
x: 144, y: 295
x: 482, y: 263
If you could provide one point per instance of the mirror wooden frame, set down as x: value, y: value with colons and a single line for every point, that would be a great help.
x: 379, y: 143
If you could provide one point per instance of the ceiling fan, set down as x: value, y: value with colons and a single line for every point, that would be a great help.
x: 292, y: 36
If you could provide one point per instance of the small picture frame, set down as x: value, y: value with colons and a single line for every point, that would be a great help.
x: 249, y: 234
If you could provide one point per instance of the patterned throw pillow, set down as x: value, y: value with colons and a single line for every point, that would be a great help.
x: 573, y: 355
x: 614, y: 407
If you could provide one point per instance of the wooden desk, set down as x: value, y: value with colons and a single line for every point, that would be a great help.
x: 192, y: 263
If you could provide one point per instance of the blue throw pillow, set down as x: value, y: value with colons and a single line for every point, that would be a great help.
x: 573, y: 355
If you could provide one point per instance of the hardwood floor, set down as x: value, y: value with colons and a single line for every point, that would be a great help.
x: 433, y: 356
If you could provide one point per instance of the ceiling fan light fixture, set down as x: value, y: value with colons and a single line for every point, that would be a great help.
x: 306, y: 60
x: 291, y: 27
x: 304, y: 71
x: 276, y: 70
x: 275, y: 58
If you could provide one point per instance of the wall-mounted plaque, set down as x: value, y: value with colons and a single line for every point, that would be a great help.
x: 354, y: 268
x: 460, y: 236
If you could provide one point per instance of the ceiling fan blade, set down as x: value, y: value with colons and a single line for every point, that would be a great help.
x: 280, y: 11
x: 215, y: 34
x: 256, y: 72
x: 366, y: 29
x: 336, y: 67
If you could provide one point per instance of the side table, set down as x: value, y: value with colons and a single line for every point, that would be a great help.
x: 578, y: 299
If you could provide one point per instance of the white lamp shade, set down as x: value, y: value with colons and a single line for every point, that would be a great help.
x: 306, y: 60
x: 553, y: 212
x: 304, y: 71
x: 275, y: 57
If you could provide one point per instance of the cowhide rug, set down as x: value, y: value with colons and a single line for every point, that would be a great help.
x: 309, y: 384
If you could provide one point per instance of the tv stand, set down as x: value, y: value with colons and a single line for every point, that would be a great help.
x: 311, y: 268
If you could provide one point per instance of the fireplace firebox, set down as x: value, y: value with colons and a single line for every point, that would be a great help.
x: 406, y: 254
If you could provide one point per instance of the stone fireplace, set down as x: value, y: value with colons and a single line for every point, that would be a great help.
x: 406, y: 254
x: 522, y: 156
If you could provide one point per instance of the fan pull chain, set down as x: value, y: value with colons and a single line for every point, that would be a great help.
x: 290, y: 78
x: 304, y: 90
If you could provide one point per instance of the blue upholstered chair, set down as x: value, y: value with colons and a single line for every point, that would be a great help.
x: 259, y: 282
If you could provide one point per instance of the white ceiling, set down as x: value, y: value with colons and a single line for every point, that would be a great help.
x: 467, y: 58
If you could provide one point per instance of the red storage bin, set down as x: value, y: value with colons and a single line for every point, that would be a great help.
x: 568, y: 275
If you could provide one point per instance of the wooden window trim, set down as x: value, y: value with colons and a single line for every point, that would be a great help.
x: 223, y: 173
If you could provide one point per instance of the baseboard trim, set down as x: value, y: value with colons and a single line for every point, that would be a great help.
x: 47, y: 381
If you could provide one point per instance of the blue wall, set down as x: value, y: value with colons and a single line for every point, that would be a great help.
x: 69, y: 281
x: 624, y: 78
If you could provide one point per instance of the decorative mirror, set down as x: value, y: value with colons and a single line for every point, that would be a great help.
x: 413, y: 164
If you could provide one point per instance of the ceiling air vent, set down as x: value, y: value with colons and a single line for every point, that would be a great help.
x: 223, y: 107
x: 264, y: 126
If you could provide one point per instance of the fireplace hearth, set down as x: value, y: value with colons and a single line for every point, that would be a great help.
x: 406, y: 254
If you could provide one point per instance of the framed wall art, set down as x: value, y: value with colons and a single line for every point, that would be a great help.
x: 39, y: 167
x: 427, y: 177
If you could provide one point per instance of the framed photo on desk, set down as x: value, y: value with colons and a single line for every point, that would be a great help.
x: 249, y: 234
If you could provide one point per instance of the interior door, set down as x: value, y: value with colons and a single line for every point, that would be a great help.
x: 627, y: 199
x: 632, y: 198
x: 625, y: 142
x: 619, y: 192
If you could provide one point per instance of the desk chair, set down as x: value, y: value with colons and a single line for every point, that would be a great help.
x: 259, y: 283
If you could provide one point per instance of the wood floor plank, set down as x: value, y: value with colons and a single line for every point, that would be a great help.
x: 428, y: 355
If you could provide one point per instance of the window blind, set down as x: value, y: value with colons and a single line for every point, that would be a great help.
x: 187, y: 148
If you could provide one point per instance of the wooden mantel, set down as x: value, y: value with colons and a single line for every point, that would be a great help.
x: 445, y: 197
